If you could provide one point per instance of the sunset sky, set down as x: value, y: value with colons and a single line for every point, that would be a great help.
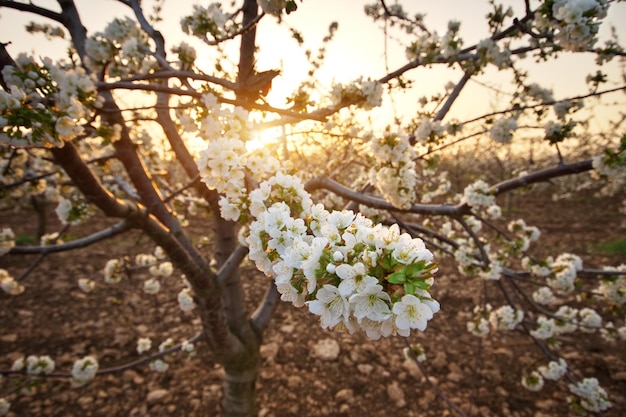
x: 358, y: 48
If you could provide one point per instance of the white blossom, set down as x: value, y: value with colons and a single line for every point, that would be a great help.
x: 9, y: 285
x: 7, y: 240
x: 554, y: 370
x: 412, y: 313
x: 86, y: 285
x: 185, y: 300
x: 533, y: 382
x: 592, y: 396
x: 37, y: 365
x: 144, y: 344
x: 84, y: 370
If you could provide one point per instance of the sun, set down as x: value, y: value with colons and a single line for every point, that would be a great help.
x: 266, y: 137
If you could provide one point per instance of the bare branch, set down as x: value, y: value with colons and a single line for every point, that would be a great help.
x: 545, y: 103
x: 317, y: 115
x: 172, y: 73
x: 31, y: 8
x: 114, y: 369
x: 453, y: 96
x: 114, y: 230
x: 543, y: 175
x: 231, y: 264
x: 263, y: 314
x: 375, y: 202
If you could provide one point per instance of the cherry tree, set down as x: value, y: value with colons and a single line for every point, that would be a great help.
x: 348, y: 219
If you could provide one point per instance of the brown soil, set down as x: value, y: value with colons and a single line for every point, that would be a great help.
x: 367, y: 378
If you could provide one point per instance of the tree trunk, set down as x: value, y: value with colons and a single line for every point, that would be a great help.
x: 239, y: 388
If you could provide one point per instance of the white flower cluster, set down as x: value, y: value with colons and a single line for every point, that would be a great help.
x: 478, y: 194
x: 613, y: 288
x: 9, y: 285
x: 479, y: 326
x: 590, y: 320
x: 223, y: 167
x: 7, y: 240
x: 503, y: 129
x: 429, y: 47
x: 350, y: 272
x: 563, y: 108
x: 208, y: 20
x: 86, y: 285
x: 113, y: 271
x: 429, y: 131
x: 575, y: 22
x: 216, y: 120
x: 35, y: 365
x: 144, y: 344
x: 185, y: 299
x: 524, y: 234
x: 554, y: 370
x: 393, y: 173
x: 493, y: 272
x: 365, y: 93
x: 560, y: 273
x: 273, y: 7
x: 465, y: 255
x: 505, y: 318
x: 123, y: 48
x: 159, y: 365
x: 544, y: 296
x: 486, y: 318
x: 186, y: 54
x: 157, y: 267
x: 557, y: 131
x: 84, y: 370
x: 226, y: 164
x: 50, y: 239
x: 74, y: 210
x: 26, y: 120
x: 563, y: 272
x: 489, y: 52
x: 608, y: 170
x: 533, y: 382
x: 568, y: 321
x: 539, y: 93
x: 162, y: 270
x: 592, y: 396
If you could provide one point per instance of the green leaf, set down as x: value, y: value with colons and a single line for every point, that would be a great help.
x: 386, y: 262
x: 415, y: 269
x: 397, y: 277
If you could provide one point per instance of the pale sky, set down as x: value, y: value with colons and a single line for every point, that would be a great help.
x: 358, y: 48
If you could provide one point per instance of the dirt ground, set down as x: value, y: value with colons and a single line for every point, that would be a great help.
x: 301, y: 375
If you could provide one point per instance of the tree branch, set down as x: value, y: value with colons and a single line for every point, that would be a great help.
x: 545, y: 103
x: 114, y: 369
x: 319, y: 115
x: 231, y: 264
x: 31, y: 8
x: 543, y: 175
x: 375, y: 202
x: 265, y: 311
x: 453, y: 96
x: 114, y: 230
